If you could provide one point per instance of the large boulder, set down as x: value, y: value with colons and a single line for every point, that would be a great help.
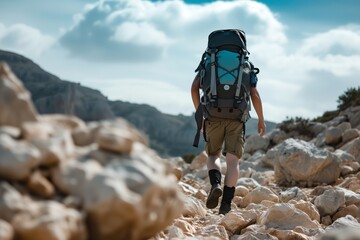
x: 137, y: 198
x: 300, y: 162
x: 13, y: 95
x: 285, y: 216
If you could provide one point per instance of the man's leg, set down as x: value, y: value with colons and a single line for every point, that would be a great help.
x: 231, y: 177
x: 234, y: 147
x: 214, y: 167
x: 213, y: 162
x: 232, y: 170
x: 215, y: 133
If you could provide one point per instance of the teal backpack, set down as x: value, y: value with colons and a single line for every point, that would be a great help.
x: 225, y: 75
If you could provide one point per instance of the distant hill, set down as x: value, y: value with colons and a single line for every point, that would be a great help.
x: 170, y: 135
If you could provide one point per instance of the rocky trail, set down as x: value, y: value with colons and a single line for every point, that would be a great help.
x: 64, y: 179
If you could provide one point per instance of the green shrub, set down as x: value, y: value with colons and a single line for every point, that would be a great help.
x: 298, y: 124
x: 350, y: 98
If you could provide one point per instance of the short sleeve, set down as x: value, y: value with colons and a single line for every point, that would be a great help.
x: 253, y: 80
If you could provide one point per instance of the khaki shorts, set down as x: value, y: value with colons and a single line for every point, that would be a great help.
x: 219, y: 131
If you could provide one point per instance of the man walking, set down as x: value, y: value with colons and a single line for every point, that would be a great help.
x: 228, y: 81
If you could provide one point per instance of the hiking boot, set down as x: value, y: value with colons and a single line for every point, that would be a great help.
x: 224, y: 208
x: 228, y: 196
x: 215, y: 192
x: 213, y: 197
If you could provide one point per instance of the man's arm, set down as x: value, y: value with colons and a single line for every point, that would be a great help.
x: 195, y: 95
x: 256, y: 101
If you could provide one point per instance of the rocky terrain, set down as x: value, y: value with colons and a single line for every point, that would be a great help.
x: 169, y: 135
x: 64, y: 179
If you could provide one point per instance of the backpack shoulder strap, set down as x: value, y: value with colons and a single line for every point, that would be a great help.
x: 243, y: 65
x: 213, y: 90
x: 202, y: 63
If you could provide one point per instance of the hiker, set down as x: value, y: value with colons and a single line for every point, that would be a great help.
x: 228, y: 81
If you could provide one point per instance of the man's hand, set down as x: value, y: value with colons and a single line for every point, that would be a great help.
x: 261, y: 127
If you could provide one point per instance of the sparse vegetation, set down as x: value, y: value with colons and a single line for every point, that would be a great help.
x: 351, y: 97
x: 298, y: 125
x: 327, y: 116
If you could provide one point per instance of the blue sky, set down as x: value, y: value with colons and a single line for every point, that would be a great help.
x: 146, y: 51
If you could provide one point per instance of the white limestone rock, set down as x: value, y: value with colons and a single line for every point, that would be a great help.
x: 299, y: 162
x: 353, y: 147
x: 260, y: 194
x: 333, y: 135
x: 294, y: 193
x: 13, y: 95
x: 256, y: 142
x: 50, y: 220
x: 18, y: 158
x: 6, y: 231
x: 285, y: 216
x: 330, y: 201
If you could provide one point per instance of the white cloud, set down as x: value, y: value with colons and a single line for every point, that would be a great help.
x: 310, y: 79
x: 24, y: 39
x: 173, y: 27
x: 344, y: 40
x: 140, y: 33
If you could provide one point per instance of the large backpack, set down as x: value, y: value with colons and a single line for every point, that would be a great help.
x: 225, y: 73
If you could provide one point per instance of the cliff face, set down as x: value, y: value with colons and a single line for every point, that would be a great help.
x: 50, y: 94
x: 168, y: 134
